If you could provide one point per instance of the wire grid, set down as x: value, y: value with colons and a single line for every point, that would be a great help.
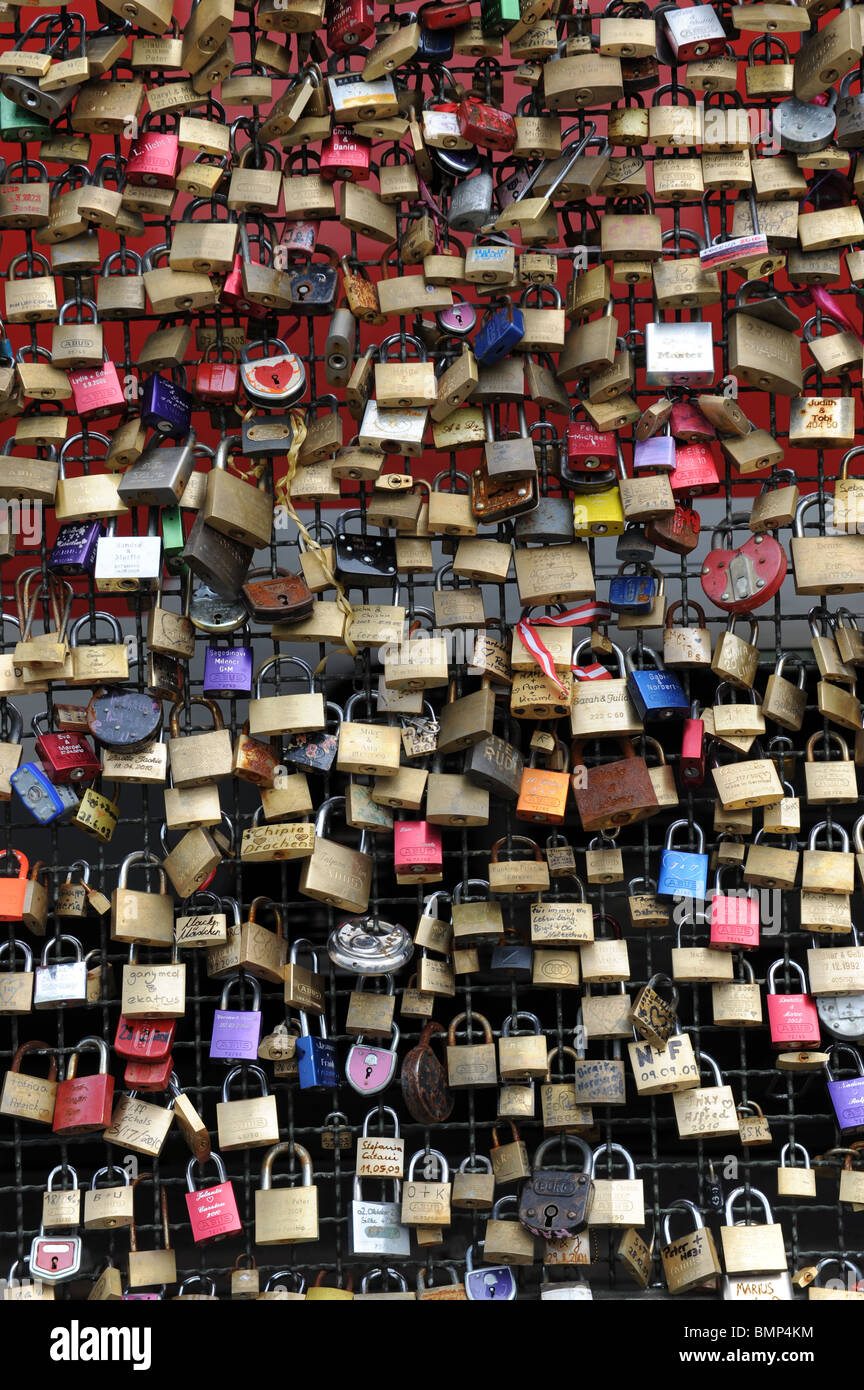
x: 797, y: 1107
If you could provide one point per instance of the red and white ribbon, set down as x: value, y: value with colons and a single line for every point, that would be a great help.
x: 584, y: 615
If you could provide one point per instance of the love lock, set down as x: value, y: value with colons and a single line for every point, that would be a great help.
x: 371, y: 1069
x: 554, y: 1203
x: 739, y: 580
x: 368, y: 946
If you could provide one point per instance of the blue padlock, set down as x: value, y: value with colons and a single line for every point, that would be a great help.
x: 499, y: 334
x: 166, y: 406
x: 45, y: 801
x: 492, y: 1284
x: 435, y: 46
x: 316, y: 1058
x: 657, y: 694
x: 683, y: 874
x: 632, y: 593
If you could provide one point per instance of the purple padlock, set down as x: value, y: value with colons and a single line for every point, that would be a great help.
x: 227, y: 671
x: 236, y: 1032
x: 74, y: 550
x: 655, y: 455
x: 166, y: 407
x: 847, y: 1097
x: 371, y: 1069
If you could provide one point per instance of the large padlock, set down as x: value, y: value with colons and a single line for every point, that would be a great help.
x: 555, y: 1203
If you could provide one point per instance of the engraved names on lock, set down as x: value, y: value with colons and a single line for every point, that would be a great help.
x: 380, y: 1157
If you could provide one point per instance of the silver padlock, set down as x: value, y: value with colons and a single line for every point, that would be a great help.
x: 159, y: 477
x: 63, y: 984
x: 802, y: 127
x: 471, y: 201
x: 679, y: 354
x: 376, y: 1227
x: 695, y: 32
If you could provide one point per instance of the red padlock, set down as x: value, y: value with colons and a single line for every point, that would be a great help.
x: 793, y: 1018
x: 147, y: 1039
x: 741, y: 580
x: 484, y: 125
x: 84, y: 1102
x: 13, y: 888
x: 154, y: 157
x: 417, y: 848
x: 689, y: 424
x: 695, y: 471
x: 212, y: 1210
x: 217, y: 381
x: 148, y: 1076
x: 444, y: 14
x: 734, y: 919
x: 692, y: 761
x: 66, y: 757
x: 349, y: 23
x: 345, y: 156
x: 96, y: 391
x: 587, y: 449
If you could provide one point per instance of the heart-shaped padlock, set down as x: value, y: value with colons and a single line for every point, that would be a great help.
x: 371, y: 1069
x: 741, y: 579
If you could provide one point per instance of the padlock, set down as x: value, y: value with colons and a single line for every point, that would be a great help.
x: 30, y: 1097
x: 247, y: 1124
x: 212, y: 1210
x: 369, y: 1070
x: 846, y: 1096
x: 682, y: 873
x: 706, y: 1111
x: 105, y: 1208
x: 613, y: 794
x: 734, y: 919
x: 555, y: 1204
x: 656, y: 694
x: 84, y: 1103
x: 237, y: 1032
x: 650, y: 1014
x: 690, y: 1261
x: 60, y: 985
x: 793, y: 1018
x: 16, y: 986
x: 136, y: 916
x: 754, y: 1249
x: 153, y: 991
x: 426, y: 1202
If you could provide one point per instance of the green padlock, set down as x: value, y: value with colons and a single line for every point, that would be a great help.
x: 173, y: 539
x: 498, y: 15
x: 20, y: 125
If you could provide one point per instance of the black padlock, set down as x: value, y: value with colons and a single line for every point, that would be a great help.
x: 124, y: 719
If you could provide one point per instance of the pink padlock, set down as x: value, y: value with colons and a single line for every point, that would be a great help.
x: 212, y: 1210
x: 154, y: 157
x: 792, y: 1018
x: 734, y: 919
x: 417, y: 848
x: 371, y: 1069
x: 96, y: 391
